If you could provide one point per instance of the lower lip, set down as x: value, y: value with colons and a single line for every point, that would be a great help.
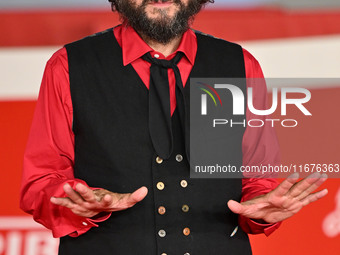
x: 159, y: 4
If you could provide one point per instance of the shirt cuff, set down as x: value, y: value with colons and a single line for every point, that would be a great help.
x: 83, y: 226
x: 103, y: 216
x: 252, y: 227
x: 80, y: 225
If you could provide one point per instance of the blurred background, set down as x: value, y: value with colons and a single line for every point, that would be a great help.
x: 290, y: 38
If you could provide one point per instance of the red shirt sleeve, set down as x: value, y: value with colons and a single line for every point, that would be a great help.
x: 259, y: 146
x: 49, y: 155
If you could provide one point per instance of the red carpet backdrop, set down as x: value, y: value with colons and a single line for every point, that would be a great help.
x: 290, y: 40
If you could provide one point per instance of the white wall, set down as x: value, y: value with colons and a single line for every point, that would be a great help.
x: 21, y: 69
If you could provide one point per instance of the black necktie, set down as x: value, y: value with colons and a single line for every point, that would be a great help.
x: 159, y: 104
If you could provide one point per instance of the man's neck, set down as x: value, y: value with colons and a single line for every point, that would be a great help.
x: 165, y: 49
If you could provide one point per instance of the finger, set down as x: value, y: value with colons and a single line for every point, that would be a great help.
x: 76, y: 209
x: 284, y: 186
x: 303, y: 185
x: 86, y: 193
x: 312, y: 187
x: 72, y: 194
x: 63, y: 201
x: 130, y: 199
x: 138, y: 195
x: 314, y: 197
x: 106, y: 200
x: 235, y: 207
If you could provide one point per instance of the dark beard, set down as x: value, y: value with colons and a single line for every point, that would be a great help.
x: 162, y: 29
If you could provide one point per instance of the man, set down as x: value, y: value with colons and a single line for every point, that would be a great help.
x: 95, y: 133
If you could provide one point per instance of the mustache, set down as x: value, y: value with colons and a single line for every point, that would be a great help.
x: 145, y: 2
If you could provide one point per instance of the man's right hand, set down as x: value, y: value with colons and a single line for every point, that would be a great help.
x: 86, y: 202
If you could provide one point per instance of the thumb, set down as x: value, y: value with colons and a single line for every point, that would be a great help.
x: 235, y: 207
x: 138, y: 195
x: 127, y: 200
x: 118, y: 202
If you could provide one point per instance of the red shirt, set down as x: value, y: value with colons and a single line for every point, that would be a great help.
x: 49, y: 156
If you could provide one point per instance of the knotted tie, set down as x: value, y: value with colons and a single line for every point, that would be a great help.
x: 159, y: 104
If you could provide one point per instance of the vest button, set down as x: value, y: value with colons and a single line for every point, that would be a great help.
x: 162, y: 233
x: 161, y: 210
x: 160, y: 186
x: 184, y: 183
x: 179, y: 158
x: 185, y: 208
x: 159, y: 160
x: 234, y: 231
x: 186, y: 231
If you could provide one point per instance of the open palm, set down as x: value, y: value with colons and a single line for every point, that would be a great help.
x: 284, y: 201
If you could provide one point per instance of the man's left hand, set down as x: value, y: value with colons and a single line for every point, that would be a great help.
x: 284, y: 201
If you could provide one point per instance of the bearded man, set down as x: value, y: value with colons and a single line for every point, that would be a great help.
x: 104, y: 127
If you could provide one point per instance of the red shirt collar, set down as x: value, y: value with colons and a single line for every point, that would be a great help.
x: 133, y: 46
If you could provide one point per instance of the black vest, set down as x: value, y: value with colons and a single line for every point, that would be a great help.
x: 113, y: 150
